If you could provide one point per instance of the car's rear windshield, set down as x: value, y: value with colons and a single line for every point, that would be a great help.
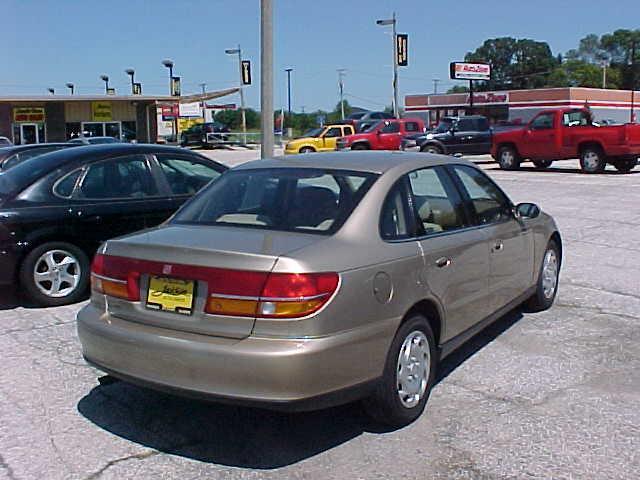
x: 25, y: 173
x: 284, y: 199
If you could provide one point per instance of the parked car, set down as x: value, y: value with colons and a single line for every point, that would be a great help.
x: 12, y: 156
x: 93, y: 140
x: 300, y: 283
x: 363, y: 120
x: 319, y: 139
x: 5, y: 142
x: 204, y: 135
x: 56, y: 209
x: 568, y: 133
x: 382, y: 135
x: 470, y: 135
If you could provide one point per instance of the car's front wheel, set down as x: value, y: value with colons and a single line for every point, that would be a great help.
x: 307, y: 150
x: 508, y: 158
x: 547, y: 286
x: 542, y: 164
x: 625, y: 166
x: 592, y: 160
x: 409, y: 373
x: 55, y: 273
x: 431, y: 149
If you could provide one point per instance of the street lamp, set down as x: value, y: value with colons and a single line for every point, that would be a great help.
x: 131, y: 72
x: 105, y: 79
x: 51, y: 91
x: 169, y: 64
x: 392, y: 21
x: 70, y: 87
x: 238, y: 51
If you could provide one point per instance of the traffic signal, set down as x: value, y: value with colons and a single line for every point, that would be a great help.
x: 246, y: 72
x: 402, y: 49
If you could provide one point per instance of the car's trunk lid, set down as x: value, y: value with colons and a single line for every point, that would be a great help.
x: 169, y: 249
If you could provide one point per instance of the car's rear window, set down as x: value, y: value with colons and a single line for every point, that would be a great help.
x: 285, y: 199
x: 24, y: 174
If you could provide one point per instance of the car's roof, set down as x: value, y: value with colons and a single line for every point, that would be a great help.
x: 17, y: 148
x: 359, y: 161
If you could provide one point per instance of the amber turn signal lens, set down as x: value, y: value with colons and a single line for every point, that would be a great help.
x: 231, y: 306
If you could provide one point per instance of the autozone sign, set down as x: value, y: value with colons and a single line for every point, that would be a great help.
x: 469, y: 71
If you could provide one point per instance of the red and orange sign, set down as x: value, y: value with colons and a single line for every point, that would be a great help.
x: 28, y: 114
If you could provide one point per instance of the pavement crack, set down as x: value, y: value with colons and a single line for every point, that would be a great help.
x: 32, y: 329
x: 111, y: 463
x: 600, y: 289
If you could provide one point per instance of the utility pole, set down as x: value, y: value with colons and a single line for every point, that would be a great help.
x: 238, y: 51
x: 204, y: 89
x: 604, y: 64
x: 633, y: 80
x: 392, y: 22
x: 288, y: 70
x: 436, y: 81
x: 341, y: 85
x: 266, y: 78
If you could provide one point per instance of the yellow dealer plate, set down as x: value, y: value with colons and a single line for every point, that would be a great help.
x: 171, y: 295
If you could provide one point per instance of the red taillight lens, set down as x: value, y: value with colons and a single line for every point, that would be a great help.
x: 116, y: 277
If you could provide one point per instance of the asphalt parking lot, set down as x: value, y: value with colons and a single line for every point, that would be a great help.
x: 548, y: 395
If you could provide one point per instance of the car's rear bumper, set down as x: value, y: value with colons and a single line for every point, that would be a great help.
x: 292, y: 373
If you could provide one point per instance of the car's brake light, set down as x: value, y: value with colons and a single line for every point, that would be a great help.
x: 230, y: 292
x: 115, y: 276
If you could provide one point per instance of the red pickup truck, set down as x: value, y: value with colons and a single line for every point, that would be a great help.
x: 562, y: 134
x: 382, y: 135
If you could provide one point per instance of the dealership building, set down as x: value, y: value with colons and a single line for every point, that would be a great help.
x: 519, y: 106
x: 58, y: 118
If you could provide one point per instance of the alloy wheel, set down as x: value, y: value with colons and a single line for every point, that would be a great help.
x: 57, y: 273
x: 549, y: 273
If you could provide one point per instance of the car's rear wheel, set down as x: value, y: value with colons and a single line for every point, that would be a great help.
x: 547, y: 286
x: 409, y: 373
x: 508, y: 158
x: 542, y: 164
x: 55, y: 273
x: 625, y: 166
x: 592, y: 160
x: 432, y: 149
x: 359, y: 146
x: 307, y: 150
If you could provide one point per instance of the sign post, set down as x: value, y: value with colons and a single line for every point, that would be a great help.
x: 471, y: 72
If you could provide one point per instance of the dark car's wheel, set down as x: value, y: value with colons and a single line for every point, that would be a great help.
x: 547, y: 286
x: 55, y: 273
x: 360, y: 146
x: 592, y: 160
x: 508, y: 158
x: 409, y: 373
x: 432, y: 149
x: 307, y: 150
x: 625, y: 166
x: 542, y: 164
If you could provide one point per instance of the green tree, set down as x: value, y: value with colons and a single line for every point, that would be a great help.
x: 232, y: 119
x: 458, y: 89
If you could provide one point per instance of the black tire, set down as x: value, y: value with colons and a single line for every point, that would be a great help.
x: 32, y: 261
x: 360, y: 146
x: 625, y: 166
x: 508, y: 158
x: 433, y: 149
x: 592, y: 159
x: 540, y: 300
x: 384, y: 405
x: 307, y: 150
x: 542, y: 164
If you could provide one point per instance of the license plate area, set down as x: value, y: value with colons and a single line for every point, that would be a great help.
x: 171, y: 295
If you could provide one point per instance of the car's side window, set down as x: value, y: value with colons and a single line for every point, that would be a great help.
x: 123, y: 177
x: 394, y: 220
x: 348, y: 130
x: 411, y: 127
x: 333, y: 132
x: 542, y: 122
x: 391, y: 127
x: 436, y: 204
x: 185, y: 176
x: 489, y: 204
x: 67, y: 184
x: 465, y: 125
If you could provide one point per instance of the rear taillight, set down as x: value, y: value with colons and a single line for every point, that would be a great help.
x: 115, y: 276
x: 282, y: 295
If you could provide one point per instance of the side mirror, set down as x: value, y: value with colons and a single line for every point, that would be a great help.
x: 527, y: 210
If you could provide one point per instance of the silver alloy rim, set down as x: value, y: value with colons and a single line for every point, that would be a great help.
x: 507, y: 158
x: 549, y: 274
x: 591, y: 160
x: 57, y: 273
x: 414, y: 365
x: 433, y: 150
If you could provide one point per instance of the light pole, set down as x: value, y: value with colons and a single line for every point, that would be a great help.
x: 266, y: 77
x: 288, y: 70
x: 436, y: 81
x: 203, y: 86
x: 392, y: 22
x: 70, y: 87
x: 169, y: 64
x: 131, y: 72
x: 633, y: 80
x: 238, y: 51
x: 341, y: 86
x: 105, y: 79
x: 51, y: 91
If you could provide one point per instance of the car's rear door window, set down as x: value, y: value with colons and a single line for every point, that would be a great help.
x: 287, y: 199
x: 186, y: 176
x: 128, y: 176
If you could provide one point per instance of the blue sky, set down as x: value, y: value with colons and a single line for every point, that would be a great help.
x: 48, y: 43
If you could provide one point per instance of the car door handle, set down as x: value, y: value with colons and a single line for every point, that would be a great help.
x: 443, y: 262
x: 498, y: 246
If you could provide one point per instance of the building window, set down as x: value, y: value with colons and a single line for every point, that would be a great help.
x: 129, y: 131
x: 73, y: 130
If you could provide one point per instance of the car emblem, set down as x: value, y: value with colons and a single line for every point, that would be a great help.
x: 166, y: 269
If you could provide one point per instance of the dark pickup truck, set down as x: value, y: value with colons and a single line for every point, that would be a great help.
x: 469, y: 135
